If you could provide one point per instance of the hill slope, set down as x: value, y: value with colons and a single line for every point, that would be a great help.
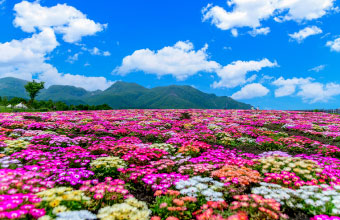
x: 123, y: 95
x: 11, y: 87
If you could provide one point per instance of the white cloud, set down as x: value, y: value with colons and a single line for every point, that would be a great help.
x: 308, y: 90
x: 250, y: 13
x: 259, y: 31
x: 180, y: 60
x: 96, y: 51
x: 79, y: 28
x: 288, y: 86
x: 317, y: 92
x: 334, y: 45
x: 299, y: 10
x: 265, y: 78
x: 251, y: 91
x: 234, y: 32
x: 26, y: 59
x: 51, y: 76
x: 22, y: 58
x: 318, y: 68
x: 106, y: 53
x: 73, y: 58
x: 64, y: 19
x: 252, y: 78
x: 2, y: 4
x: 247, y: 13
x: 234, y: 74
x: 227, y: 48
x: 304, y: 33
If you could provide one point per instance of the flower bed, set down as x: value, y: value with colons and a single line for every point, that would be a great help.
x: 159, y: 165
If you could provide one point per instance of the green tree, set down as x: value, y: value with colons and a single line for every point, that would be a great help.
x: 17, y: 100
x: 4, y: 101
x: 33, y: 88
x: 50, y: 104
x: 61, y: 106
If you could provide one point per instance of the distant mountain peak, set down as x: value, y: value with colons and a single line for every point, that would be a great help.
x: 123, y: 95
x: 121, y: 86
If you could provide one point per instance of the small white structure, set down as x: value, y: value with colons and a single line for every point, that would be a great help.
x: 9, y: 106
x: 20, y: 105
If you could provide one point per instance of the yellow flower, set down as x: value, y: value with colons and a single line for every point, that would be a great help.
x: 55, y: 203
x: 66, y: 197
x: 297, y: 170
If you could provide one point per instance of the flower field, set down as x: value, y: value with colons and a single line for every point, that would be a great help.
x: 170, y: 164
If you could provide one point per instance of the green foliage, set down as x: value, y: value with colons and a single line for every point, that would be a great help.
x: 45, y: 106
x: 185, y: 115
x: 17, y: 100
x: 33, y: 88
x: 32, y: 117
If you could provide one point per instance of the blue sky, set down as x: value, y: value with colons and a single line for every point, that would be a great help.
x: 275, y: 54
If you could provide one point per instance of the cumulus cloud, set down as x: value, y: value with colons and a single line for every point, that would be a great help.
x: 180, y: 61
x: 304, y: 33
x: 26, y: 58
x: 318, y: 68
x: 64, y: 19
x: 234, y: 74
x: 251, y: 91
x: 22, y: 58
x: 308, y: 90
x: 244, y: 14
x: 51, y: 76
x: 250, y: 13
x: 318, y: 92
x: 334, y: 45
x: 259, y: 31
x: 288, y: 86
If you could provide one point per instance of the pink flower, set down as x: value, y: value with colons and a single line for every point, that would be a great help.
x: 163, y: 205
x: 172, y: 218
x: 98, y: 196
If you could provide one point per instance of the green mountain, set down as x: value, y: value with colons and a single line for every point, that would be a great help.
x: 68, y: 94
x: 11, y: 87
x: 122, y: 95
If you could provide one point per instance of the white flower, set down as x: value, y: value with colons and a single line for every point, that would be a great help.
x: 336, y: 211
x: 76, y: 215
x: 309, y: 201
x: 319, y: 203
x: 299, y: 206
x: 325, y: 199
x: 201, y: 186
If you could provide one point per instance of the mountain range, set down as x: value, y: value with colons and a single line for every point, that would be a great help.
x: 123, y: 95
